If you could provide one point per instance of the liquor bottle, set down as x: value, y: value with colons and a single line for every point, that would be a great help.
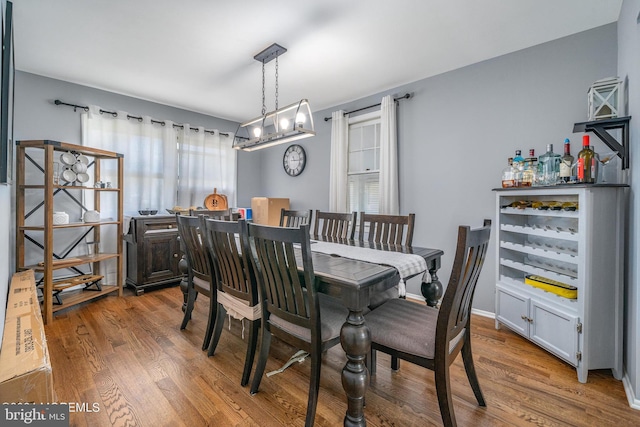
x: 518, y: 165
x: 530, y: 170
x: 587, y: 163
x: 549, y: 167
x: 509, y: 175
x: 566, y: 163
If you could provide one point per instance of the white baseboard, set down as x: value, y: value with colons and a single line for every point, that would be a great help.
x: 634, y: 401
x: 483, y: 313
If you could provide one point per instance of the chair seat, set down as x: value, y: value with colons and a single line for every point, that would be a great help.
x: 334, y: 314
x: 416, y: 321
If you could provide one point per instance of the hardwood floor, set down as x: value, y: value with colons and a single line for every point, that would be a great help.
x: 128, y: 356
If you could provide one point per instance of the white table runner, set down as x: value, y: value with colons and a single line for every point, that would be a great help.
x: 408, y: 265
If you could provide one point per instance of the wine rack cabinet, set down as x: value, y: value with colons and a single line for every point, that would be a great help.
x: 572, y: 234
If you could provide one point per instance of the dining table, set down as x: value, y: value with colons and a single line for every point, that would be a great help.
x: 355, y: 282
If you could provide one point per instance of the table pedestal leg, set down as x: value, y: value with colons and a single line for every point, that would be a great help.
x: 432, y: 291
x: 356, y: 342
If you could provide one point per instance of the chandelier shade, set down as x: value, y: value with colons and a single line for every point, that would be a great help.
x: 281, y: 125
x: 286, y: 124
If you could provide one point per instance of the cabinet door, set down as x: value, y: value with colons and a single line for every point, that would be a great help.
x: 162, y: 255
x: 555, y: 330
x: 512, y: 309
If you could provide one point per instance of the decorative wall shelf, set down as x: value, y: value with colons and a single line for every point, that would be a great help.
x: 601, y: 129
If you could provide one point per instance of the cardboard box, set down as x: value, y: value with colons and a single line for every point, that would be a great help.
x: 266, y: 210
x: 25, y: 368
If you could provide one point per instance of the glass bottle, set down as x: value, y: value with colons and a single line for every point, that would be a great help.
x: 566, y: 163
x: 518, y: 165
x: 509, y: 175
x: 530, y: 170
x: 549, y: 167
x: 587, y: 167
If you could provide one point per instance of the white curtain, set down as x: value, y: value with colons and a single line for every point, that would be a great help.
x: 207, y: 162
x: 339, y: 164
x: 389, y: 199
x: 149, y: 151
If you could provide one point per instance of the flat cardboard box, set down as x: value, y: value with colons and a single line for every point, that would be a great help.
x: 266, y: 210
x: 25, y: 368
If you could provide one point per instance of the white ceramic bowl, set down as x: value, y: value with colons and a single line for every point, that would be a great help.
x: 82, y: 177
x: 69, y: 175
x: 68, y: 158
x: 83, y: 159
x: 79, y: 167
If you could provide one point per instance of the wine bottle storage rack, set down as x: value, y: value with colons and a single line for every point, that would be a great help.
x: 581, y: 248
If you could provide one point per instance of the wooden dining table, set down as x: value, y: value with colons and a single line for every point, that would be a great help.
x: 354, y: 282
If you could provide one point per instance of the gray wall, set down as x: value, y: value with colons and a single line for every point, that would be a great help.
x: 456, y: 133
x: 629, y: 68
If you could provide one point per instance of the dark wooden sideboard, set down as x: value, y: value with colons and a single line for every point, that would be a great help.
x: 153, y: 252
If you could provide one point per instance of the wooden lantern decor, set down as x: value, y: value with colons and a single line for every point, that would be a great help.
x: 606, y: 99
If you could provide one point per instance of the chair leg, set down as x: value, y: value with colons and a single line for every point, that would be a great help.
x: 395, y: 363
x: 371, y: 362
x: 210, y: 322
x: 469, y: 367
x: 314, y: 387
x: 191, y: 298
x: 265, y: 343
x: 251, y: 351
x: 443, y: 390
x: 217, y: 329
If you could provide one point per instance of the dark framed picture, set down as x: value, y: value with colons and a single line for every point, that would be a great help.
x: 7, y: 87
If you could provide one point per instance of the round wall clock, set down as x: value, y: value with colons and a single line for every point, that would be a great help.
x: 294, y: 160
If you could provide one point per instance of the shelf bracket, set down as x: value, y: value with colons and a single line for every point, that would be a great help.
x: 601, y: 129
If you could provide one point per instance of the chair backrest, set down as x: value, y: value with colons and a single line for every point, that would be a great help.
x: 386, y: 229
x: 334, y: 225
x: 455, y: 308
x: 194, y: 248
x: 289, y: 218
x: 287, y: 294
x: 230, y: 251
x: 224, y: 214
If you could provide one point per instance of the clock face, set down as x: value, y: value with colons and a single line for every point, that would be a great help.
x: 294, y: 160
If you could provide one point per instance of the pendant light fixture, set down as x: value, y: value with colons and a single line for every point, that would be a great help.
x: 281, y: 125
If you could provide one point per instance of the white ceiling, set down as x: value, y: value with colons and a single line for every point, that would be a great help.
x: 198, y: 54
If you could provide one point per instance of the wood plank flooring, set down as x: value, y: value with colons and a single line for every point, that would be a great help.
x: 125, y: 362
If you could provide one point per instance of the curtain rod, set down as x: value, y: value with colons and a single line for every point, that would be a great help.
x: 139, y: 118
x: 405, y: 96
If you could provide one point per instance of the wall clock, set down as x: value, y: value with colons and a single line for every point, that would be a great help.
x: 294, y: 160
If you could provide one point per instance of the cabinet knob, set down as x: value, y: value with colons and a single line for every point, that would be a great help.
x: 170, y: 226
x: 175, y: 255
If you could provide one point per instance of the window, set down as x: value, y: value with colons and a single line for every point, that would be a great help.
x: 364, y: 163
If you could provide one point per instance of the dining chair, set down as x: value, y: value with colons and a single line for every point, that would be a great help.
x: 432, y: 337
x: 292, y: 308
x: 290, y: 218
x: 334, y: 225
x: 200, y: 276
x: 236, y: 290
x: 386, y: 229
x: 224, y: 214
